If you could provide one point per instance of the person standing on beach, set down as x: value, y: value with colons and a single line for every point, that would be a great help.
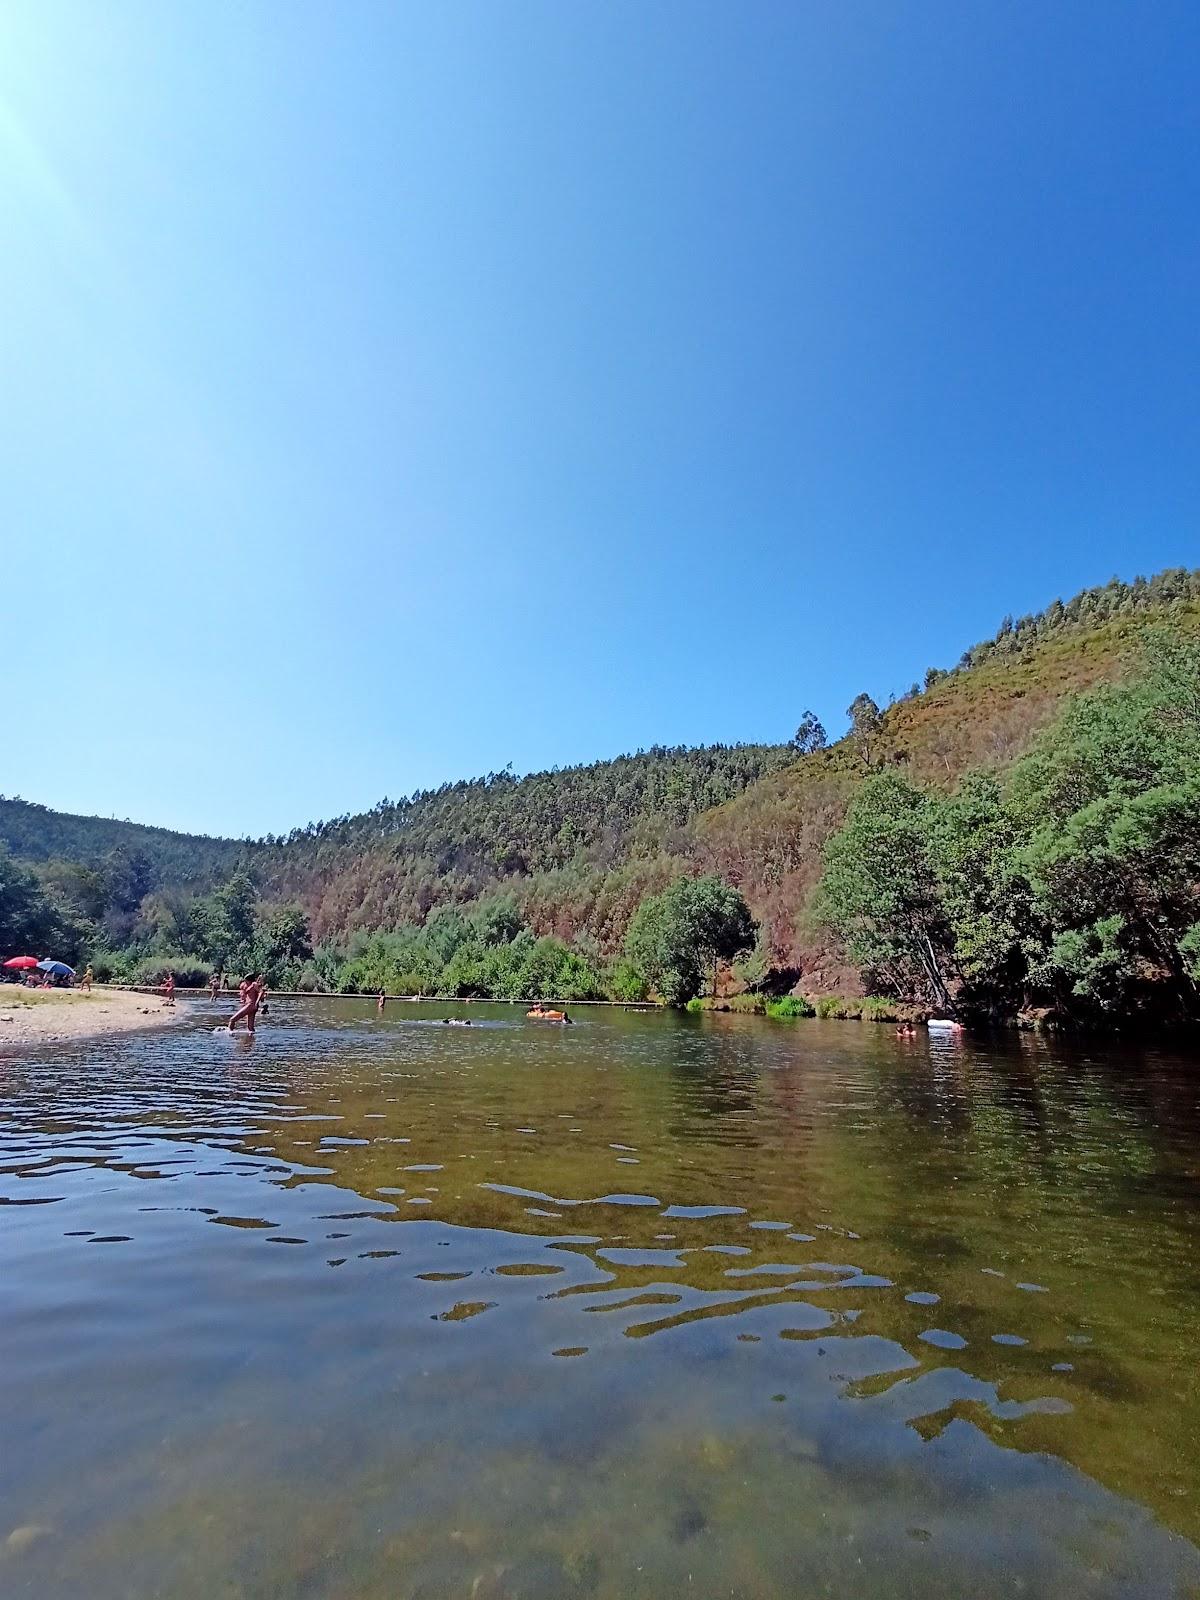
x: 85, y: 983
x: 251, y: 990
x: 168, y: 989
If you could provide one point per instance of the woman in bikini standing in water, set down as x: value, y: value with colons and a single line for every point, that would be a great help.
x: 251, y: 995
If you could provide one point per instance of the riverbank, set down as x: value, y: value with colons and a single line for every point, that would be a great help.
x: 834, y: 1007
x: 46, y: 1016
x: 202, y: 992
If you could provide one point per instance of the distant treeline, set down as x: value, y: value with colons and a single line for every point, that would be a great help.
x: 1085, y: 610
x: 36, y: 833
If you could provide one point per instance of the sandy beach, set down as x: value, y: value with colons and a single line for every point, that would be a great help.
x: 36, y: 1016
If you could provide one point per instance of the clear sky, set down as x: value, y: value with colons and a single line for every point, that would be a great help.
x: 393, y: 391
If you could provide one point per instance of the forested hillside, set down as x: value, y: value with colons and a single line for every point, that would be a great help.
x: 769, y: 841
x: 86, y: 881
x: 393, y: 864
x: 35, y: 833
x: 580, y: 849
x: 513, y: 885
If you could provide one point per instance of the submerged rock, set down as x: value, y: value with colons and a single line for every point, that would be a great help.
x: 21, y: 1538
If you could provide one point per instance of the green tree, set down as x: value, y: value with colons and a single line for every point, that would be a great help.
x: 445, y: 929
x: 128, y: 878
x: 1189, y: 949
x: 973, y: 841
x: 1075, y: 883
x: 810, y: 736
x: 1110, y: 802
x: 80, y: 888
x: 880, y: 892
x: 676, y: 936
x: 282, y: 944
x: 31, y: 922
x: 627, y: 981
x: 238, y: 901
x: 866, y: 727
x: 498, y: 920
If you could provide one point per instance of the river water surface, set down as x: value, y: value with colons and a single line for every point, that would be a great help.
x: 651, y: 1306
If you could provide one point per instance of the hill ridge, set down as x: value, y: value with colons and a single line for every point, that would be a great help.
x: 578, y: 847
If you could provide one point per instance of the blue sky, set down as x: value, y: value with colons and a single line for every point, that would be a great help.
x: 395, y: 391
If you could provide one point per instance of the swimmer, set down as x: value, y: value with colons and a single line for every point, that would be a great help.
x: 380, y: 1003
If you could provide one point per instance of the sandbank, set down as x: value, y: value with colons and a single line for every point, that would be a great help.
x: 44, y: 1016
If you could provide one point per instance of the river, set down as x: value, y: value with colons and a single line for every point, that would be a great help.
x: 650, y: 1306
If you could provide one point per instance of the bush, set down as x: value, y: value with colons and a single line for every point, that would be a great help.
x: 111, y: 966
x: 748, y: 1005
x: 189, y: 971
x: 839, y: 1007
x: 875, y: 1009
x: 792, y: 1005
x: 627, y: 982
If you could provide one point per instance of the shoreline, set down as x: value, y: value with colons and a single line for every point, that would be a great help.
x: 400, y: 999
x: 61, y: 1016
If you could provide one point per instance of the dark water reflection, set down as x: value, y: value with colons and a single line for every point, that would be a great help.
x: 652, y: 1306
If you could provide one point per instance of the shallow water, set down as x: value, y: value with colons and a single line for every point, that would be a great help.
x: 650, y: 1306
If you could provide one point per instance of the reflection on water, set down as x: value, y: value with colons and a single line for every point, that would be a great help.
x: 652, y: 1306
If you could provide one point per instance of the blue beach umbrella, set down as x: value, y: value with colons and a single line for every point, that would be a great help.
x: 56, y: 969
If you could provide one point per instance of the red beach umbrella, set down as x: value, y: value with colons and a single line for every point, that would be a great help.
x: 20, y: 963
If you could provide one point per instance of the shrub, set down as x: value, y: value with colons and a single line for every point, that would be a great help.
x: 111, y: 966
x: 876, y: 1009
x: 748, y: 1005
x: 792, y: 1005
x: 627, y: 982
x: 839, y: 1007
x: 189, y: 971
